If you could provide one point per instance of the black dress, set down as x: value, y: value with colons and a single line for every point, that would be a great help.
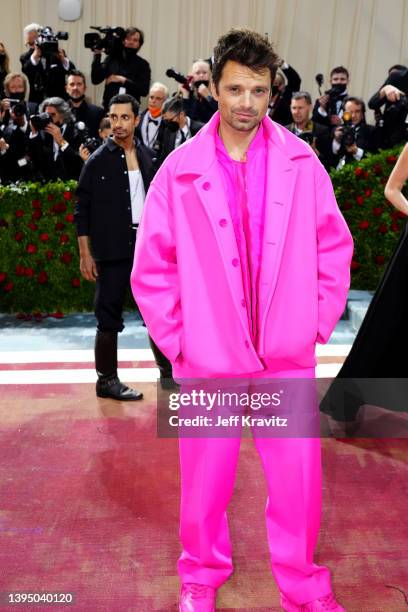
x: 375, y: 372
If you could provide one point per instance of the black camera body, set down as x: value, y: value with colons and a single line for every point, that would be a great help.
x: 91, y: 144
x: 47, y: 41
x: 111, y: 43
x: 334, y: 96
x: 177, y: 76
x: 40, y: 121
x: 19, y: 107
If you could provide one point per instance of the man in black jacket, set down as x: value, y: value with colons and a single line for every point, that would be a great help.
x: 110, y: 197
x: 390, y: 104
x: 82, y: 110
x: 54, y: 150
x: 124, y: 72
x: 174, y: 129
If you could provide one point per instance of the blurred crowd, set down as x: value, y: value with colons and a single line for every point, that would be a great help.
x: 48, y: 127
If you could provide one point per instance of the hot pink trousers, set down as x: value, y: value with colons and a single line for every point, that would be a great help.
x: 292, y: 468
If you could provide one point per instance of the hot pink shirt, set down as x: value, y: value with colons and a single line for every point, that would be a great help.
x: 245, y: 189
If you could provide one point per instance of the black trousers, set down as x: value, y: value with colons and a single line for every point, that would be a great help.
x: 111, y: 285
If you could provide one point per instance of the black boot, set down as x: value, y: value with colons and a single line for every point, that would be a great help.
x: 167, y: 381
x: 106, y: 364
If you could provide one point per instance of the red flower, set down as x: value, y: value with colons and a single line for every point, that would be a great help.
x: 366, y: 174
x: 380, y: 260
x: 62, y: 207
x: 29, y: 272
x: 64, y: 238
x: 395, y: 227
x: 360, y: 200
x: 67, y: 195
x: 37, y: 214
x: 32, y: 226
x: 59, y: 226
x: 401, y: 215
x: 31, y: 248
x: 377, y: 169
x: 8, y: 286
x: 358, y: 172
x: 391, y: 159
x: 383, y: 180
x: 347, y: 206
x: 49, y: 254
x: 44, y: 237
x: 75, y: 282
x: 3, y: 277
x: 364, y: 224
x: 50, y: 197
x: 20, y: 270
x: 42, y: 278
x: 66, y: 258
x: 19, y: 236
x: 69, y: 217
x: 3, y: 223
x: 377, y: 211
x: 19, y: 213
x: 57, y: 315
x: 36, y: 204
x: 383, y: 229
x: 354, y: 265
x: 368, y: 192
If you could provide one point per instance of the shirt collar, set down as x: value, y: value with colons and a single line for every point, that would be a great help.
x: 256, y: 144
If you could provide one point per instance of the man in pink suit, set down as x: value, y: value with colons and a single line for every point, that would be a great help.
x: 241, y: 266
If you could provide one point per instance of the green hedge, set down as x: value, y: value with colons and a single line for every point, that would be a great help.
x: 374, y: 223
x: 39, y: 265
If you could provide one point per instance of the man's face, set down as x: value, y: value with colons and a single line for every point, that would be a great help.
x: 355, y: 111
x: 132, y: 41
x: 156, y: 97
x: 75, y: 87
x: 300, y: 110
x: 16, y: 85
x: 243, y: 96
x: 200, y: 71
x: 123, y: 121
x: 31, y: 37
x: 56, y: 117
x: 339, y: 78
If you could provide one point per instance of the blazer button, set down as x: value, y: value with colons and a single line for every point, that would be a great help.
x: 223, y: 222
x: 125, y: 172
x: 243, y: 303
x: 235, y: 262
x: 128, y: 207
x: 247, y: 343
x: 206, y: 186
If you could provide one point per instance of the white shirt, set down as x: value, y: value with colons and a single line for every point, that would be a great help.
x: 185, y: 131
x: 137, y: 194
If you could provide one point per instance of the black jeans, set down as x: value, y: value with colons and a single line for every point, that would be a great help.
x: 111, y: 285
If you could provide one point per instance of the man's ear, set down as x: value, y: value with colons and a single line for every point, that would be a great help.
x: 137, y: 120
x: 214, y: 91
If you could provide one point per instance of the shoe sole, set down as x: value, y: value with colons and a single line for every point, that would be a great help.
x: 123, y: 399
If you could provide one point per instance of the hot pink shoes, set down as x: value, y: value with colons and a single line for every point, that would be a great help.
x: 197, y: 598
x: 322, y: 604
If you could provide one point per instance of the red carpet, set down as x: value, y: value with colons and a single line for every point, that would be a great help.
x: 89, y: 505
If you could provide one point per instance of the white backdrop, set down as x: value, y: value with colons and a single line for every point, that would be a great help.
x: 366, y: 36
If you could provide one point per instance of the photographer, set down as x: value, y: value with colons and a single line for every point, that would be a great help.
x: 315, y: 134
x: 198, y: 102
x: 104, y: 132
x: 390, y: 104
x: 82, y: 110
x: 175, y: 128
x: 46, y: 66
x: 355, y: 138
x: 124, y: 71
x: 54, y: 142
x: 329, y: 107
x: 15, y: 129
x: 287, y: 82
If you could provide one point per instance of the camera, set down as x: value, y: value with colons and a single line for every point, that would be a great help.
x: 47, y: 41
x: 40, y: 121
x: 177, y: 76
x: 111, y: 43
x: 348, y: 135
x: 335, y: 93
x: 19, y: 107
x: 90, y: 143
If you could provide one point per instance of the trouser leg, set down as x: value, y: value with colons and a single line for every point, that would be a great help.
x: 292, y: 467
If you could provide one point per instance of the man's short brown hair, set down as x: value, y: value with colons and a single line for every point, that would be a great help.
x: 245, y: 47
